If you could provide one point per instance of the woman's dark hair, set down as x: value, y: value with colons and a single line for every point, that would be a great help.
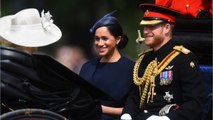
x: 114, y: 28
x: 116, y: 31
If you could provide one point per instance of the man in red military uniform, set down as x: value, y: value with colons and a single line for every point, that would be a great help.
x: 190, y: 8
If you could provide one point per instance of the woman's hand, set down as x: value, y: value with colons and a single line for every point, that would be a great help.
x: 111, y: 110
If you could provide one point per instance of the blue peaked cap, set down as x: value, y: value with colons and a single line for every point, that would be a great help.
x: 106, y: 20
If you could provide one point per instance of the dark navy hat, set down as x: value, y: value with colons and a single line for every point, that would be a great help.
x: 154, y: 14
x: 106, y: 20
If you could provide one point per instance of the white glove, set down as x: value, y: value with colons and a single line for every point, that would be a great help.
x: 126, y: 116
x: 155, y: 117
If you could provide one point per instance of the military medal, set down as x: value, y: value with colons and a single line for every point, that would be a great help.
x: 168, y: 97
x: 166, y: 77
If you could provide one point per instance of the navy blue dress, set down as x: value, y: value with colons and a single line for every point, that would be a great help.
x: 113, y: 78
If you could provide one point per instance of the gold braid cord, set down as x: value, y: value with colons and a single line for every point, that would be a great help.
x: 147, y: 81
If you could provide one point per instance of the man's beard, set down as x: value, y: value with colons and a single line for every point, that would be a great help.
x: 157, y: 40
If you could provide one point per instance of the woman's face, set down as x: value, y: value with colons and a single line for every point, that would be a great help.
x: 105, y: 42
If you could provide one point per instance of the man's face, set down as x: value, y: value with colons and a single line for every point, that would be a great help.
x: 154, y: 35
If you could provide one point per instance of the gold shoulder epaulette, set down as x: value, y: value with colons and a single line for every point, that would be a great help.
x: 144, y: 52
x: 182, y: 49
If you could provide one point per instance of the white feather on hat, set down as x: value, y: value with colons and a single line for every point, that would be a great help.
x: 27, y: 28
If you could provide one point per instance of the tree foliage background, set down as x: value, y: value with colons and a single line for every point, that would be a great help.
x: 75, y: 17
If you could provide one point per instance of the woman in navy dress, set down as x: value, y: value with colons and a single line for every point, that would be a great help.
x: 110, y: 71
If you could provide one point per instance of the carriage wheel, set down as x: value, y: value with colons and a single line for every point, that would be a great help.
x: 31, y: 114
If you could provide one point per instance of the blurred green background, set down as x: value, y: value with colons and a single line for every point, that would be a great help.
x: 75, y: 17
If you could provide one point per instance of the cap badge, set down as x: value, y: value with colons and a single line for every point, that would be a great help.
x: 147, y: 13
x: 168, y: 97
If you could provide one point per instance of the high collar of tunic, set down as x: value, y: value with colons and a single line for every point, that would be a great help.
x: 164, y: 50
